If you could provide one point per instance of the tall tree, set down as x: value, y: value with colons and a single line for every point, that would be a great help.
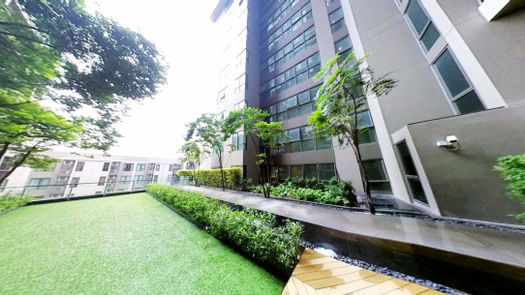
x: 191, y: 154
x: 340, y: 99
x: 246, y: 119
x: 87, y: 65
x: 210, y: 133
x: 269, y: 134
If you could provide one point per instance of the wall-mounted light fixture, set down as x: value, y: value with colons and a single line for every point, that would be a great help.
x: 450, y: 143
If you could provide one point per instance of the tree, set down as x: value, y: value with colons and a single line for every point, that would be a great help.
x: 269, y: 134
x: 247, y: 119
x: 210, y: 133
x: 340, y: 99
x: 87, y: 65
x: 191, y: 154
x: 252, y: 121
x: 28, y: 129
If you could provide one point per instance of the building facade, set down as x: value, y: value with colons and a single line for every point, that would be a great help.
x: 433, y: 141
x: 75, y: 175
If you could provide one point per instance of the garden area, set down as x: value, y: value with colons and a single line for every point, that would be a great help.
x: 132, y: 244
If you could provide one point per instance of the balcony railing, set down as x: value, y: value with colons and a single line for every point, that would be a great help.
x: 73, y: 190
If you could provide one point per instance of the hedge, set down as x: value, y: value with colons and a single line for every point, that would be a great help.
x: 212, y: 177
x: 512, y: 169
x: 255, y: 233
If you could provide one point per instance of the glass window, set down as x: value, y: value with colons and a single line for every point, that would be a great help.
x: 469, y: 103
x: 451, y: 74
x: 411, y: 175
x: 303, y: 97
x: 294, y: 135
x: 305, y: 109
x: 417, y: 16
x: 281, y: 106
x: 80, y: 166
x: 326, y: 172
x: 335, y: 16
x: 291, y: 102
x: 324, y: 143
x: 310, y: 171
x: 294, y: 147
x: 101, y: 180
x: 457, y: 85
x: 39, y: 182
x: 430, y: 36
x: 296, y: 171
x: 375, y: 169
x: 314, y: 60
x: 309, y: 33
x: 343, y: 45
x: 364, y: 120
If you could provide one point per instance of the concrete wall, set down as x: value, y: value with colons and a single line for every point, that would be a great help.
x: 464, y: 183
x: 497, y: 45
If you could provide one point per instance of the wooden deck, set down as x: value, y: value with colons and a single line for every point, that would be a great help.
x: 317, y: 274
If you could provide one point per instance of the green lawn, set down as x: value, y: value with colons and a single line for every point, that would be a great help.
x: 127, y: 244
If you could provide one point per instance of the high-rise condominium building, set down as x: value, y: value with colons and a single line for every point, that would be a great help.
x: 433, y: 141
x: 76, y: 175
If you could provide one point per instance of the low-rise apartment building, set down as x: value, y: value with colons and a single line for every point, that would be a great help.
x: 77, y: 175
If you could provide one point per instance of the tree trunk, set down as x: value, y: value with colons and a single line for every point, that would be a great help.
x: 3, y: 150
x: 195, y: 176
x: 222, y: 171
x: 364, y: 178
x: 354, y: 142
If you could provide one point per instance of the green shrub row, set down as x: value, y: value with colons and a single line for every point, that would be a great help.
x: 255, y: 233
x: 334, y: 192
x: 11, y: 201
x: 212, y: 177
x: 512, y: 169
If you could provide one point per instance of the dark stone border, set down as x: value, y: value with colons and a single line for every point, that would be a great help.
x: 519, y: 229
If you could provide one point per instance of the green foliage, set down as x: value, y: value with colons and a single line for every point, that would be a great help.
x: 212, y: 177
x: 339, y: 100
x: 54, y: 51
x: 12, y: 201
x: 255, y: 233
x: 512, y: 169
x: 334, y: 192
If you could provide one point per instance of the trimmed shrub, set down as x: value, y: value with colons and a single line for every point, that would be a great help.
x: 212, y: 177
x: 11, y: 201
x: 255, y: 233
x: 512, y: 169
x: 334, y: 192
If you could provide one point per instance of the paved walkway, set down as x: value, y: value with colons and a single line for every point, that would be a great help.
x: 488, y: 244
x: 317, y: 274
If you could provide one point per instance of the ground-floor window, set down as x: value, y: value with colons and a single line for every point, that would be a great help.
x: 377, y: 176
x: 323, y: 172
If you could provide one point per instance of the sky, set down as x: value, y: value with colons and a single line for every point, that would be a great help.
x: 183, y: 32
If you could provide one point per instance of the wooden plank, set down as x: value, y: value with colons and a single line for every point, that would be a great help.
x: 410, y: 289
x: 340, y: 279
x: 431, y: 292
x: 328, y: 273
x: 353, y: 286
x: 317, y: 274
x: 314, y: 261
x: 318, y: 267
x: 384, y: 287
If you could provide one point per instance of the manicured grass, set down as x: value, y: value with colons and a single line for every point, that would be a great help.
x: 127, y: 244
